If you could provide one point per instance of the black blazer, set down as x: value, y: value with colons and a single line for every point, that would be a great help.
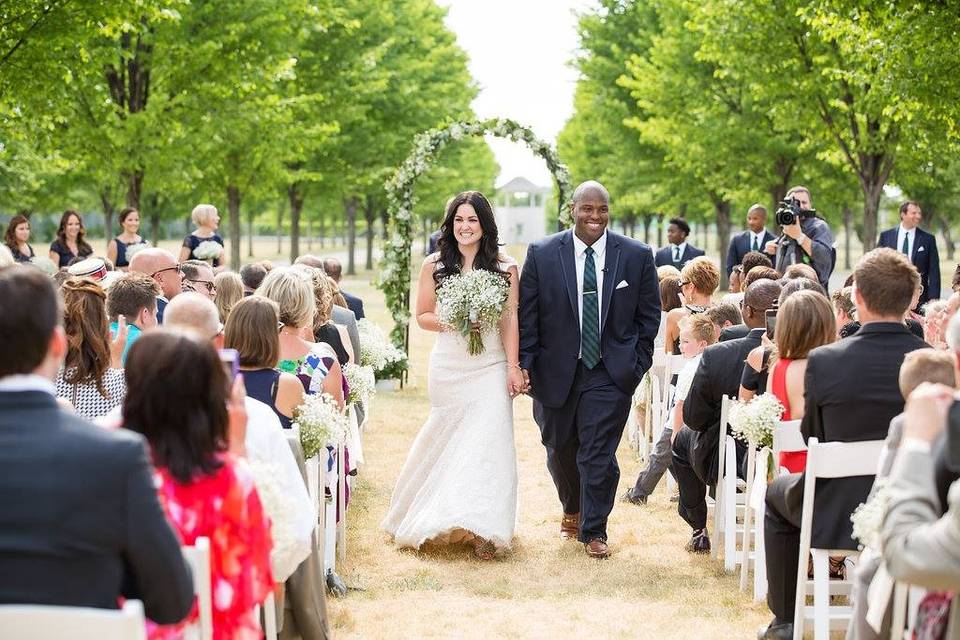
x: 740, y: 246
x: 665, y: 256
x: 81, y: 523
x: 851, y: 394
x: 721, y: 367
x: 924, y: 257
x: 732, y: 333
x: 354, y: 303
x: 550, y: 316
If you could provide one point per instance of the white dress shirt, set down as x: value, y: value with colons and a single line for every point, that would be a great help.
x: 673, y: 251
x: 911, y: 238
x: 579, y: 253
x: 758, y: 238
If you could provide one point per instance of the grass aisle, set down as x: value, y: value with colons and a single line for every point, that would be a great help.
x: 545, y: 588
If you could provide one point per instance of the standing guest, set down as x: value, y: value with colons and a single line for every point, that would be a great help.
x: 920, y: 248
x: 69, y: 243
x: 81, y: 525
x: 341, y: 313
x: 17, y: 239
x: 163, y: 268
x: 92, y: 375
x: 755, y: 238
x: 253, y: 330
x: 699, y: 280
x: 695, y: 444
x: 334, y: 269
x: 679, y: 252
x: 851, y: 392
x: 198, y: 277
x: 205, y: 490
x: 117, y: 248
x: 229, y: 291
x: 252, y: 276
x: 134, y: 297
x: 207, y: 219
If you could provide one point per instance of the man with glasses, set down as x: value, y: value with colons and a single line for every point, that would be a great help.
x: 163, y: 268
x: 198, y: 276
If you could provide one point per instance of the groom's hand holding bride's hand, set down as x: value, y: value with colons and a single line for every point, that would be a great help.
x: 515, y: 381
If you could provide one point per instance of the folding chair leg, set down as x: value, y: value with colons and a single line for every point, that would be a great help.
x: 821, y: 595
x: 760, y: 559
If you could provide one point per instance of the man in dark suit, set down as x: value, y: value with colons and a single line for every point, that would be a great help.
x: 81, y: 524
x: 851, y: 393
x: 695, y: 446
x: 334, y: 269
x: 919, y: 246
x: 755, y: 238
x: 589, y: 311
x: 678, y: 253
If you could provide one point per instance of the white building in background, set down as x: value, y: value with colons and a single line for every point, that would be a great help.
x: 521, y: 211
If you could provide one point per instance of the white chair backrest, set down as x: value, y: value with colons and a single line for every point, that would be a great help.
x: 198, y: 557
x: 843, y: 459
x: 38, y: 622
x: 787, y: 437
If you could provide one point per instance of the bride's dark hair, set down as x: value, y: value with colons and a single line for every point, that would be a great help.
x: 488, y: 255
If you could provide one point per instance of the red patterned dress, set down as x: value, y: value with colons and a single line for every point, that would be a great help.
x: 226, y: 509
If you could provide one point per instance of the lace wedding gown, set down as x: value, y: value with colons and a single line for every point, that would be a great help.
x: 460, y: 476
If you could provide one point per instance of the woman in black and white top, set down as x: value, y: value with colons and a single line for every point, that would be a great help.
x: 91, y: 378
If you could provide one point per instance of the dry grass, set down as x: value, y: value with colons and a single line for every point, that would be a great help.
x: 544, y: 588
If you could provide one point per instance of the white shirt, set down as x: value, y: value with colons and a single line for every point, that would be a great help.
x: 758, y: 238
x: 673, y: 251
x: 27, y: 382
x: 685, y: 378
x: 579, y: 253
x: 911, y: 238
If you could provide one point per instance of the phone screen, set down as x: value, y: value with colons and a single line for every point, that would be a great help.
x: 231, y: 363
x: 770, y: 318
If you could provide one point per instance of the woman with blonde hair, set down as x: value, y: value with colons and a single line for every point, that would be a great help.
x: 699, y: 280
x: 229, y: 288
x: 207, y: 219
x: 314, y: 363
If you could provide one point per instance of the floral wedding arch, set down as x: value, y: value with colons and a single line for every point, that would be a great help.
x: 395, y: 274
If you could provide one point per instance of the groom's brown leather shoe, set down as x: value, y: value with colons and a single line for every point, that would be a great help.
x: 597, y: 548
x: 569, y: 526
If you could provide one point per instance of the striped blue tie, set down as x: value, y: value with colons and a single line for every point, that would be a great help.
x: 590, y: 322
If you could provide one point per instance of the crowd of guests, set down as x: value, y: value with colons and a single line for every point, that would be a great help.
x: 124, y: 436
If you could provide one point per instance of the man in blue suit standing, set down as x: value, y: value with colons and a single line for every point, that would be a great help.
x: 678, y: 252
x: 919, y: 246
x: 755, y: 238
x: 589, y: 311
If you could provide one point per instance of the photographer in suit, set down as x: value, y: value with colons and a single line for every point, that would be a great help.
x: 806, y: 238
x: 919, y: 246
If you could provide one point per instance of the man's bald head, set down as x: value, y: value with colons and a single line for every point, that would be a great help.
x: 193, y: 312
x: 311, y: 261
x: 149, y: 261
x: 759, y: 296
x: 591, y: 187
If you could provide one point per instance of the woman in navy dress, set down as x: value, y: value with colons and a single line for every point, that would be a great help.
x: 69, y: 243
x: 17, y: 239
x: 117, y: 249
x: 207, y: 219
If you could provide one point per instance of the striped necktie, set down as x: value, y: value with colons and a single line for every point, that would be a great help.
x: 906, y: 243
x: 756, y: 244
x: 590, y: 321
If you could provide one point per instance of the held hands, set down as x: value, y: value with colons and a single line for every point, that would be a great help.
x: 515, y: 381
x: 118, y: 343
x: 925, y: 415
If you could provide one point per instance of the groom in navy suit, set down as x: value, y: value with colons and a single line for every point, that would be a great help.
x: 919, y: 246
x: 589, y: 311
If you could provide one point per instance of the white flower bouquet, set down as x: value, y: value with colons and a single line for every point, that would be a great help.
x: 472, y: 304
x: 362, y: 382
x: 377, y: 352
x: 754, y: 421
x: 320, y: 422
x: 279, y: 507
x: 134, y: 249
x: 868, y: 517
x: 208, y: 250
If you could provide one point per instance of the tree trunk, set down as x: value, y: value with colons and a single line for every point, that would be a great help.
x: 250, y: 233
x: 323, y: 228
x: 871, y: 207
x: 310, y: 234
x: 660, y: 230
x: 947, y: 237
x: 295, y: 195
x: 647, y: 221
x: 350, y: 209
x: 233, y: 206
x: 371, y: 216
x: 280, y: 206
x: 848, y: 236
x: 721, y: 209
x: 134, y: 180
x: 385, y: 225
x: 108, y: 208
x: 155, y: 227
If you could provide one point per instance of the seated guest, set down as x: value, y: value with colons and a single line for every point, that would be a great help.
x: 205, y: 491
x: 755, y: 259
x: 667, y: 271
x: 801, y: 270
x: 252, y: 275
x: 724, y: 315
x: 324, y: 329
x: 229, y: 288
x: 81, y: 525
x: 253, y: 330
x: 163, y: 268
x: 697, y: 332
x: 734, y: 294
x: 332, y: 268
x: 845, y: 312
x: 699, y: 279
x: 669, y: 300
x: 695, y: 444
x: 340, y: 313
x: 91, y: 379
x: 756, y: 273
x: 913, y: 320
x: 133, y: 296
x: 851, y: 394
x: 198, y: 276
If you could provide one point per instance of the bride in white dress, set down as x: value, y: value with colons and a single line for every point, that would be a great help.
x: 459, y: 482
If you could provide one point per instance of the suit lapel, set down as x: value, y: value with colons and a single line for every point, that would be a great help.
x: 916, y: 245
x: 611, y: 260
x: 570, y: 273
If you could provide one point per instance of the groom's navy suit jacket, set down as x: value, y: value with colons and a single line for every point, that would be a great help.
x: 550, y: 316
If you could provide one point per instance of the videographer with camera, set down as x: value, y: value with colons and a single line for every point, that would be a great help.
x: 805, y: 237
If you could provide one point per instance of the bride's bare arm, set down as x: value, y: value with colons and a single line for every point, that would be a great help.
x: 510, y: 334
x: 427, y: 297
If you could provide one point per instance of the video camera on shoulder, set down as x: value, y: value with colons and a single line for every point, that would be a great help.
x: 789, y: 212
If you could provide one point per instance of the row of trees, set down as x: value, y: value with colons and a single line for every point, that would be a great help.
x: 299, y: 106
x: 701, y: 107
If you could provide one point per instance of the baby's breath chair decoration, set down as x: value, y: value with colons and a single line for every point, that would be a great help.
x: 395, y: 273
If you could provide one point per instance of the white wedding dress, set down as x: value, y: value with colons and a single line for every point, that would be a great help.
x: 460, y: 476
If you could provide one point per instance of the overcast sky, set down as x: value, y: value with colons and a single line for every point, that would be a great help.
x: 520, y: 52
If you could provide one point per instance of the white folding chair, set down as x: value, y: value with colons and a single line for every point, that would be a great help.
x: 198, y: 557
x: 827, y: 460
x: 787, y: 437
x: 720, y: 518
x: 906, y: 602
x: 342, y: 501
x: 757, y: 498
x: 672, y: 365
x: 747, y: 552
x: 40, y: 622
x: 733, y: 506
x: 270, y: 617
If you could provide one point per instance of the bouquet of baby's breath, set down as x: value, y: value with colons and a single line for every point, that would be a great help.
x: 754, y: 421
x: 362, y: 382
x: 377, y: 352
x: 134, y: 249
x: 868, y: 517
x: 472, y: 303
x: 320, y: 422
x: 208, y: 250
